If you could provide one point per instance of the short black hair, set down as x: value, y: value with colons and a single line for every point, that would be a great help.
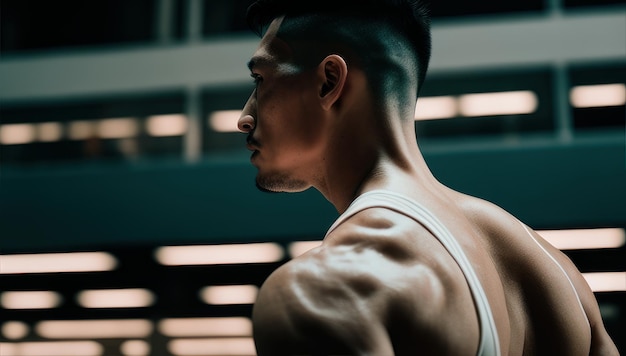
x: 410, y: 18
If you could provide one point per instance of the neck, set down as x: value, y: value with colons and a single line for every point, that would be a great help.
x: 374, y: 156
x: 370, y: 146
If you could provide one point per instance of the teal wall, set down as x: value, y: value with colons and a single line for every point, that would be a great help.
x: 94, y: 206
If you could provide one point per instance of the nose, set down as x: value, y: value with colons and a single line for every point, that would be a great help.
x: 246, y: 123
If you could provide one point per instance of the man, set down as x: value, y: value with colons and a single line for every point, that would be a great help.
x: 411, y: 266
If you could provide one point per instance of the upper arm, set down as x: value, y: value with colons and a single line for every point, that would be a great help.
x: 307, y: 307
x: 601, y: 343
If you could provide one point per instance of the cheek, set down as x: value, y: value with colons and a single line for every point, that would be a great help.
x: 300, y: 124
x: 303, y: 113
x: 289, y: 115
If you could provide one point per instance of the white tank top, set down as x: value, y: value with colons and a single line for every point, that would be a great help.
x: 489, y: 343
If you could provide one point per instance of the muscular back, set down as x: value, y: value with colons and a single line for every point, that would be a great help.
x: 550, y: 307
x: 382, y: 284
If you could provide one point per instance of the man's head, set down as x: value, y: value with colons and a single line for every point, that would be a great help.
x: 322, y: 70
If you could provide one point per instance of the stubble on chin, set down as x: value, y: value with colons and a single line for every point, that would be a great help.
x: 263, y: 189
x: 280, y: 183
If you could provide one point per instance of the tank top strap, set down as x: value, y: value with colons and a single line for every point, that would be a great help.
x: 489, y: 343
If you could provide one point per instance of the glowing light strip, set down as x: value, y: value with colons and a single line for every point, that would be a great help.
x: 116, y: 298
x: 580, y: 239
x: 81, y: 129
x: 210, y: 347
x: 436, y: 107
x: 189, y: 327
x: 589, y: 96
x: 167, y: 125
x: 117, y: 128
x: 219, y: 254
x: 606, y: 281
x: 223, y: 295
x: 94, y: 329
x: 298, y: 248
x: 14, y: 330
x: 135, y: 348
x: 224, y: 120
x: 501, y: 103
x: 16, y: 134
x: 52, y: 348
x: 57, y: 262
x: 473, y: 105
x: 30, y: 300
x: 49, y: 131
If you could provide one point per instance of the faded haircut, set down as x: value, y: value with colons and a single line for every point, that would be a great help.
x: 368, y: 28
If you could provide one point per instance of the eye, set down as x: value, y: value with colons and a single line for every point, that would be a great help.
x: 256, y: 78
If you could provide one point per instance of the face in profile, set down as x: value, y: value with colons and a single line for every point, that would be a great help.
x: 280, y: 118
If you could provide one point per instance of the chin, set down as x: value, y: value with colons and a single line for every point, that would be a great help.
x: 280, y: 183
x: 263, y: 189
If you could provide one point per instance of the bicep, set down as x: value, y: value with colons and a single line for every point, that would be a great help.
x: 303, y: 311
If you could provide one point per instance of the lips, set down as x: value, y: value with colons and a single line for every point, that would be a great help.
x: 252, y: 144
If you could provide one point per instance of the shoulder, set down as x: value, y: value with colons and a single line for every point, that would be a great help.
x: 313, y: 304
x: 329, y: 301
x: 363, y: 282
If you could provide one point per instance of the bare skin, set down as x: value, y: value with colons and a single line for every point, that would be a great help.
x: 382, y: 284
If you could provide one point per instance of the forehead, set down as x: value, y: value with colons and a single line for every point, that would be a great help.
x: 272, y: 50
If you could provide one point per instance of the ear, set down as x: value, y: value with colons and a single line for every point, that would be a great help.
x: 333, y: 71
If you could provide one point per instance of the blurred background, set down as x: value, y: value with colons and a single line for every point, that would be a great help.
x: 129, y: 221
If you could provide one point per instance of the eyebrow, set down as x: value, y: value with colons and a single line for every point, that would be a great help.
x: 257, y: 61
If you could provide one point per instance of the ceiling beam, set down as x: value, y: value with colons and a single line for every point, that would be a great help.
x: 462, y: 45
